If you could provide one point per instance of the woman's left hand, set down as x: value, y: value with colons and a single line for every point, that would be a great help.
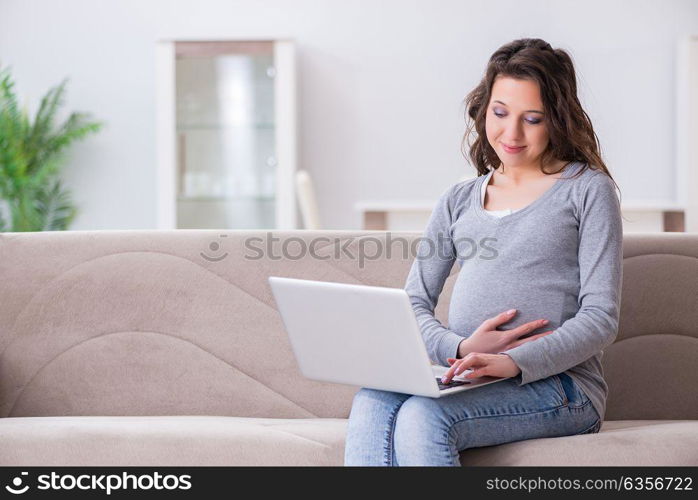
x: 491, y: 365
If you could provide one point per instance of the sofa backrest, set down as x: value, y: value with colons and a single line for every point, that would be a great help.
x: 651, y: 367
x: 183, y: 322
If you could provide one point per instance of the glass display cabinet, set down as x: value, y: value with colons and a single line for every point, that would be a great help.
x: 227, y: 135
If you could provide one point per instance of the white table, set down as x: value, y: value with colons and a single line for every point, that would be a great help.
x: 413, y: 215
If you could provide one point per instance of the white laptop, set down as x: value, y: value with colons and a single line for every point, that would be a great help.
x: 361, y: 335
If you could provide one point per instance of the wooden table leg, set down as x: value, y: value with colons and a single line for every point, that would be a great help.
x: 674, y: 221
x: 376, y: 221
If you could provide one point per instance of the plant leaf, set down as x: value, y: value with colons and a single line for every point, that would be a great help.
x: 3, y: 224
x: 54, y: 207
x: 31, y: 156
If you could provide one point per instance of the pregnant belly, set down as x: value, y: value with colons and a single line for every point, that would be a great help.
x: 471, y: 305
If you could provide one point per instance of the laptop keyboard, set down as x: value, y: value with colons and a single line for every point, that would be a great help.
x: 451, y: 384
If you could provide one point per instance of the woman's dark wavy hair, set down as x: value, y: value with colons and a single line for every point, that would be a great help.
x: 572, y: 136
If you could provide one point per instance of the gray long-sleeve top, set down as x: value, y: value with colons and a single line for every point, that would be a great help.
x: 559, y: 258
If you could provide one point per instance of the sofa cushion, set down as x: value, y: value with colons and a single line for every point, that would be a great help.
x: 619, y: 443
x: 217, y: 440
x: 170, y: 441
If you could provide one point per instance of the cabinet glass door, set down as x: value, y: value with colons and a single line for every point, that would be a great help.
x: 226, y: 158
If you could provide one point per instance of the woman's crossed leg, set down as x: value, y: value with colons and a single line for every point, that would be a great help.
x: 389, y: 428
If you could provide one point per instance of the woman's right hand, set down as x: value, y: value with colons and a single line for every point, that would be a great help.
x: 487, y: 339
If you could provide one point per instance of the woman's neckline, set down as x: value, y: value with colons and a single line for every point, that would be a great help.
x: 483, y: 193
x: 480, y: 209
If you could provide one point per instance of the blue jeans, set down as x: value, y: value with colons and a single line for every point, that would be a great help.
x: 391, y: 428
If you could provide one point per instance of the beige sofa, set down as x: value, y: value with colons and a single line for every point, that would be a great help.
x: 166, y: 348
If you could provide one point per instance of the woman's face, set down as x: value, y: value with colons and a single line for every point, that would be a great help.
x: 515, y: 118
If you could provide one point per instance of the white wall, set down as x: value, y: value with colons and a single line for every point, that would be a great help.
x: 381, y: 85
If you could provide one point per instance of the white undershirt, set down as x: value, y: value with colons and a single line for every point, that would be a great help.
x: 483, y: 191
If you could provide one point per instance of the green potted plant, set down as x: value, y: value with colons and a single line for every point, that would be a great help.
x: 31, y: 154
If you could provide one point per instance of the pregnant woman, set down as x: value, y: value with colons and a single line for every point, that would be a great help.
x: 539, y: 234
